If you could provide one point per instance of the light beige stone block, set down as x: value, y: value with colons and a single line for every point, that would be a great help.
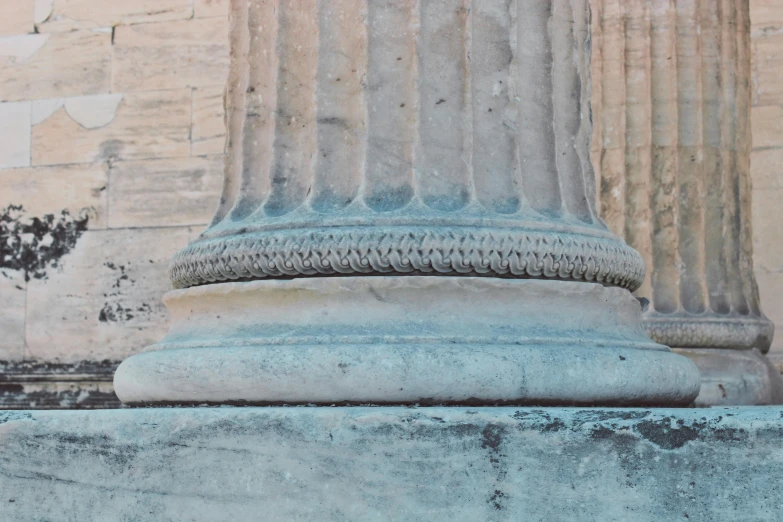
x: 208, y: 135
x: 767, y: 230
x: 146, y: 125
x: 766, y: 13
x: 766, y: 167
x: 12, y: 312
x: 771, y: 290
x: 37, y: 66
x: 77, y: 189
x: 15, y: 129
x: 768, y: 64
x: 16, y: 17
x: 167, y: 192
x: 208, y: 8
x: 91, y: 112
x: 767, y: 125
x: 171, y: 55
x: 67, y: 15
x: 104, y: 301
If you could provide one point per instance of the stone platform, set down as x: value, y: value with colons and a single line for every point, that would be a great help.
x: 392, y: 463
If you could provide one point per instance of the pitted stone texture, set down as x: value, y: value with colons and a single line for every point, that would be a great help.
x: 402, y: 340
x: 399, y: 136
x: 392, y: 464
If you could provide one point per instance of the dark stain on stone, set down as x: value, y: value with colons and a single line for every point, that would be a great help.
x: 118, y: 313
x: 117, y: 456
x: 496, y: 499
x: 540, y: 420
x: 32, y: 245
x: 122, y: 277
x: 602, y: 433
x: 333, y: 120
x: 667, y: 435
x: 600, y: 416
x: 9, y: 416
x: 662, y: 434
x: 111, y: 149
x: 10, y: 388
x: 491, y: 438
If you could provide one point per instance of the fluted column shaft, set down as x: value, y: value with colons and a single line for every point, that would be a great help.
x: 461, y: 128
x: 671, y: 147
x: 393, y: 138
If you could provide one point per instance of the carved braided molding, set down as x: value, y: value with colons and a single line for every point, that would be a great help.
x: 388, y: 250
x: 711, y: 331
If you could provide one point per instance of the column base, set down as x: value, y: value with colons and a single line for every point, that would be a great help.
x: 406, y: 340
x: 735, y: 377
x: 392, y: 464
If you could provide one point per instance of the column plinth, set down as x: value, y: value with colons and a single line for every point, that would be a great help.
x: 672, y: 146
x: 408, y: 216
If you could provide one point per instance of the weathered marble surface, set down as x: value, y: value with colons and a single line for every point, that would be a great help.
x: 382, y: 139
x: 397, y: 137
x: 392, y: 464
x: 403, y: 340
x: 672, y: 150
x: 678, y: 189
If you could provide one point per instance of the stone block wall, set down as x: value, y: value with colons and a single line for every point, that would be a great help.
x: 766, y: 161
x: 111, y: 141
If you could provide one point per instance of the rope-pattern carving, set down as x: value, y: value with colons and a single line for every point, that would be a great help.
x: 450, y: 251
x: 712, y: 332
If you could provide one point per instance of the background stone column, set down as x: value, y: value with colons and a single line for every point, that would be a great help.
x: 671, y: 144
x: 393, y: 138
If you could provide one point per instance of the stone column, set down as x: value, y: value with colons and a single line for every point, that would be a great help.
x: 408, y: 217
x: 672, y: 143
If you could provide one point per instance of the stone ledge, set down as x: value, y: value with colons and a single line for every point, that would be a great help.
x: 47, y: 385
x: 392, y: 464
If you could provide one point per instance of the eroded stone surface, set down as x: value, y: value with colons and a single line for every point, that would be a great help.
x: 402, y: 340
x: 392, y: 464
x: 679, y: 189
x: 363, y: 139
x: 386, y: 139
